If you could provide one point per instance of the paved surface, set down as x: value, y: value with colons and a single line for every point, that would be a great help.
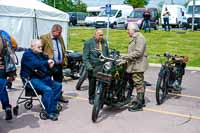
x: 180, y: 113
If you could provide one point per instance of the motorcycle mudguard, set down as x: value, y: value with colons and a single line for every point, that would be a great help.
x: 162, y: 72
x: 99, y: 88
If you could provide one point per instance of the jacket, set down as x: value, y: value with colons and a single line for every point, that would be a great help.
x: 31, y: 62
x: 91, y: 56
x: 137, y: 54
x: 5, y: 52
x: 48, y: 47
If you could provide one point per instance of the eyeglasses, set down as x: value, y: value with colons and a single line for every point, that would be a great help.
x: 40, y: 47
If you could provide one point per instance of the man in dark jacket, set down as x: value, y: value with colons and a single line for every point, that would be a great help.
x: 92, y: 61
x: 34, y: 60
x: 147, y: 17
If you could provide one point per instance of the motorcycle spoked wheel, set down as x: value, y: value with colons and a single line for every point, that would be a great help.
x: 98, y: 105
x: 126, y: 97
x: 161, y: 90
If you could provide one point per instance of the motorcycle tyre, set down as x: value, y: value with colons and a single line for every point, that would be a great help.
x: 161, y: 90
x: 81, y: 80
x: 98, y: 105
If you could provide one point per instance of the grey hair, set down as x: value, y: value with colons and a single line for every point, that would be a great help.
x: 133, y: 26
x: 56, y: 27
x: 97, y: 30
x: 34, y: 42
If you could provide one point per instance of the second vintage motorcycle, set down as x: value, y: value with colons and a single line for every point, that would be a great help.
x: 74, y: 64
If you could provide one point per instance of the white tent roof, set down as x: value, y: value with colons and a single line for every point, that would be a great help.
x: 25, y: 19
x: 27, y: 8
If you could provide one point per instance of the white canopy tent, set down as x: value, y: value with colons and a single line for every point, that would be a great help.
x: 25, y: 18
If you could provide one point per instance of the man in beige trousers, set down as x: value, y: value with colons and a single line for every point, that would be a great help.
x: 137, y: 64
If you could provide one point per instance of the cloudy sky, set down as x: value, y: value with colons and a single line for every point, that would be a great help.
x: 152, y: 3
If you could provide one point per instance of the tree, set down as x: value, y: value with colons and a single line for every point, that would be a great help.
x: 186, y: 3
x: 136, y: 3
x: 67, y: 5
x: 80, y: 6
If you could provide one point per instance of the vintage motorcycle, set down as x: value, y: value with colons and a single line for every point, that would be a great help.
x: 83, y: 72
x: 114, y: 87
x: 170, y: 75
x: 74, y: 64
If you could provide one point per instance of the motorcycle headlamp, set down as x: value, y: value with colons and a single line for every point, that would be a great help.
x: 107, y: 66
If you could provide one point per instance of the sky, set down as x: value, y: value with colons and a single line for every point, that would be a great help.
x: 152, y: 3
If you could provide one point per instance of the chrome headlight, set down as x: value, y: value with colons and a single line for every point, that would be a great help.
x: 107, y: 66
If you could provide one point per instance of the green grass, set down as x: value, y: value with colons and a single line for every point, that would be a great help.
x: 158, y: 42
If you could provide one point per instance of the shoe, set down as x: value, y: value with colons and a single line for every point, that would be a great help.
x: 136, y: 107
x: 63, y: 100
x: 52, y: 116
x: 8, y: 114
x: 91, y: 101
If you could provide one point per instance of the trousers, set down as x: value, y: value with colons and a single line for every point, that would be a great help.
x: 51, y: 91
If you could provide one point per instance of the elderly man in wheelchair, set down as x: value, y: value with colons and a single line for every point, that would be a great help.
x: 35, y: 66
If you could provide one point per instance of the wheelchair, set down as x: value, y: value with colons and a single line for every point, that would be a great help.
x: 31, y: 94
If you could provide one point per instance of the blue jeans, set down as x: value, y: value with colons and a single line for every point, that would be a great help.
x: 3, y: 92
x: 166, y: 24
x: 147, y: 25
x: 51, y: 91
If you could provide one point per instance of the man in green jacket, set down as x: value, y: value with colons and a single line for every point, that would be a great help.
x: 92, y: 61
x: 137, y: 64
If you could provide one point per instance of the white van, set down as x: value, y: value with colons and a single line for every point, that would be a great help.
x: 93, y: 12
x: 176, y: 17
x: 188, y: 15
x: 118, y: 17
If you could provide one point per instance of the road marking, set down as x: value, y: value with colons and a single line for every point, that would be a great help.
x: 182, y: 95
x: 150, y: 109
x: 172, y: 113
x: 150, y: 90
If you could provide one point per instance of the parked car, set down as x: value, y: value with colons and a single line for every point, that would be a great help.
x: 188, y: 15
x: 77, y: 18
x: 136, y: 16
x: 118, y: 17
x: 93, y: 12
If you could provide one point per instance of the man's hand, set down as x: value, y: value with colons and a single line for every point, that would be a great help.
x: 11, y: 78
x: 51, y: 63
x: 90, y: 69
x: 125, y: 57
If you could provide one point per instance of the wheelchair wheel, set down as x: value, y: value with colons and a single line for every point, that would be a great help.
x: 59, y: 107
x: 28, y: 105
x: 43, y: 115
x: 16, y: 110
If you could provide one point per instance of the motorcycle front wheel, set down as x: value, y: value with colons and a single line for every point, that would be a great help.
x: 161, y: 90
x: 98, y: 104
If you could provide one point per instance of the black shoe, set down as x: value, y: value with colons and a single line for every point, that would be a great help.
x: 136, y: 107
x: 91, y: 101
x: 63, y: 100
x: 8, y: 114
x: 52, y: 116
